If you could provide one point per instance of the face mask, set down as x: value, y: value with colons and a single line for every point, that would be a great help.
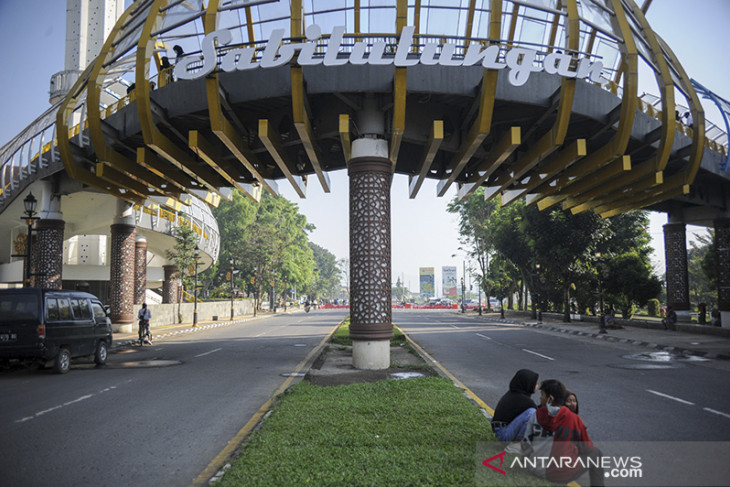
x: 552, y: 410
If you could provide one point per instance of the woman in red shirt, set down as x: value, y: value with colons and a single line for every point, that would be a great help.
x: 572, y: 451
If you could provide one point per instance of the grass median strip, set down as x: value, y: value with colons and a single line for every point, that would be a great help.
x: 409, y: 432
x: 415, y: 432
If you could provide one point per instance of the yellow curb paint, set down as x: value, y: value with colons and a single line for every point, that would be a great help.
x: 448, y: 374
x: 216, y: 463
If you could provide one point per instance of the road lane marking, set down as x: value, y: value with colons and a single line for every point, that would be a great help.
x: 716, y: 412
x: 538, y: 354
x: 208, y: 353
x: 68, y: 403
x: 483, y: 336
x: 671, y: 397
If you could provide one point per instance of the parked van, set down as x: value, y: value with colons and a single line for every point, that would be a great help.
x: 51, y: 327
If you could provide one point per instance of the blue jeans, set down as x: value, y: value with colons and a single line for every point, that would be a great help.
x: 516, y: 429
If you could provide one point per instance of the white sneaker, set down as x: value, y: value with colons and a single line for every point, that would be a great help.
x: 514, y: 447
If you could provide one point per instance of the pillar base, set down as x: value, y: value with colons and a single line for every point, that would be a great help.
x: 725, y: 319
x: 123, y: 328
x: 371, y: 354
x: 683, y: 316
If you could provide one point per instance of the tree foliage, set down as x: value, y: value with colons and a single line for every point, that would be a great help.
x: 553, y: 253
x: 268, y: 243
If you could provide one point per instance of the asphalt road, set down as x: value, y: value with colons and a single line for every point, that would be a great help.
x: 153, y: 416
x: 623, y: 396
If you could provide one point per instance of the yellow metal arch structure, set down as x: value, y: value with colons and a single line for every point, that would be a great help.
x: 649, y: 173
x: 612, y: 152
x: 74, y: 168
x: 153, y: 137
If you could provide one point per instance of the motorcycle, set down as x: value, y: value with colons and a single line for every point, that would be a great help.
x: 307, y: 308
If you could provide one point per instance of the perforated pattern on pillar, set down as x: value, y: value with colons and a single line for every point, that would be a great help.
x: 722, y: 238
x: 49, y: 245
x: 140, y: 271
x: 370, y: 307
x: 675, y: 251
x: 121, y: 292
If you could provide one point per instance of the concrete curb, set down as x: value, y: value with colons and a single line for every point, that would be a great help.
x: 609, y: 338
x: 130, y: 341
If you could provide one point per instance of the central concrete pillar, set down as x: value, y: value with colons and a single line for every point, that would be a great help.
x: 50, y: 253
x: 371, y: 326
x: 121, y: 267
x: 675, y: 252
x: 722, y: 239
x: 140, y: 269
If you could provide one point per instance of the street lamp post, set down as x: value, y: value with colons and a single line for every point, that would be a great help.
x: 600, y: 296
x: 479, y: 290
x: 195, y: 288
x: 231, y: 278
x: 537, y: 286
x: 29, y: 204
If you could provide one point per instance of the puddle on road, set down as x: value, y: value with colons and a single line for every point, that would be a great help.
x: 142, y: 364
x: 645, y: 366
x: 665, y: 357
x: 406, y: 375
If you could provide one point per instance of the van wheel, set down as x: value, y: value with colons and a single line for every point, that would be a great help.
x: 63, y: 361
x: 101, y: 353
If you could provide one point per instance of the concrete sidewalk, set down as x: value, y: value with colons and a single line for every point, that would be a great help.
x: 689, y: 339
x: 161, y: 331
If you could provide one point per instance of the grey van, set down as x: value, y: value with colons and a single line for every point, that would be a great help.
x: 50, y: 327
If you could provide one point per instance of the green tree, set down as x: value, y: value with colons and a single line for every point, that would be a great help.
x: 474, y: 218
x: 702, y: 266
x: 327, y: 276
x: 183, y: 256
x: 630, y: 282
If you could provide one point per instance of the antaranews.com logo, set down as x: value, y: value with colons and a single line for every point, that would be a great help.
x: 638, y: 464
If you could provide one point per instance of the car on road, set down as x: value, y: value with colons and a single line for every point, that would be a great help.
x: 52, y: 327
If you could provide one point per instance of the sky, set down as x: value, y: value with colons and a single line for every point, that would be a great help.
x: 32, y: 36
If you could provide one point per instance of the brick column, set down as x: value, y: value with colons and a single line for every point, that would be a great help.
x: 48, y: 247
x: 140, y: 269
x: 722, y: 239
x: 170, y: 285
x: 121, y: 285
x: 675, y: 251
x: 371, y: 326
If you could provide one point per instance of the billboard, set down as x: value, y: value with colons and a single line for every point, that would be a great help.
x: 427, y: 282
x: 448, y: 281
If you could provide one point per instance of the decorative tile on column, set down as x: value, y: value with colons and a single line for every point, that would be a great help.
x: 675, y: 251
x: 48, y: 245
x: 169, y: 285
x: 140, y: 271
x: 121, y: 286
x: 722, y: 239
x: 370, y: 249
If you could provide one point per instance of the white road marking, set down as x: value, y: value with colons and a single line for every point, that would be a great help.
x: 538, y: 354
x: 60, y: 406
x: 716, y: 412
x: 483, y: 336
x: 671, y: 397
x: 208, y: 353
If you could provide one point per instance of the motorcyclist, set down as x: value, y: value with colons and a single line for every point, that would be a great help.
x: 144, y: 316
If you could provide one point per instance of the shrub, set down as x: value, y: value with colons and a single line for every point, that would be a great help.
x: 653, y: 307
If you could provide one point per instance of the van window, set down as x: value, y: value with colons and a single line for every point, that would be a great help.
x: 64, y: 309
x: 51, y: 309
x: 98, y: 310
x: 18, y: 306
x: 80, y: 307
